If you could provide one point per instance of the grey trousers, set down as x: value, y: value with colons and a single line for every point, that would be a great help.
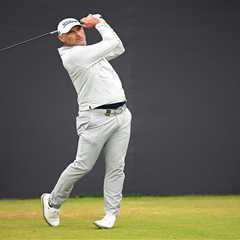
x: 98, y: 132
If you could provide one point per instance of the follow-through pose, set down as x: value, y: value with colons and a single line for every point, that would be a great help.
x: 103, y: 121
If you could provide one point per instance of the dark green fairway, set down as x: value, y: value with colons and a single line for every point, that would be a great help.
x: 185, y: 217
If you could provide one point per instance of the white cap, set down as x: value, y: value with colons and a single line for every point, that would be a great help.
x: 66, y: 24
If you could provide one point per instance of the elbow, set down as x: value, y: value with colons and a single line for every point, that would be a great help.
x: 122, y: 49
x: 114, y: 43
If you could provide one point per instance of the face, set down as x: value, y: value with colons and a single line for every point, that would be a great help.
x: 76, y: 36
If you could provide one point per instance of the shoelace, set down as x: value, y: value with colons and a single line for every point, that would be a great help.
x: 54, y: 212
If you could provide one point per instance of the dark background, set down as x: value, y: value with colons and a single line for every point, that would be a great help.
x: 180, y: 73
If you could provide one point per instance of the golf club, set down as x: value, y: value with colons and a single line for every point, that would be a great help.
x: 28, y: 40
x: 40, y: 36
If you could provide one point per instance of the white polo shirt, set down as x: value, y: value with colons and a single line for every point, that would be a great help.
x: 93, y: 77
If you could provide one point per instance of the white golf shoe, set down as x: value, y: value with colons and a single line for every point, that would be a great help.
x: 107, y: 222
x: 50, y: 214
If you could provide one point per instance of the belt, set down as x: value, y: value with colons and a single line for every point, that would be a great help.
x: 110, y: 112
x: 111, y: 106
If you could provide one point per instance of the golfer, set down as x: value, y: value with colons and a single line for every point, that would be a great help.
x: 103, y: 122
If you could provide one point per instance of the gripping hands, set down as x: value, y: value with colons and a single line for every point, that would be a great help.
x: 91, y: 20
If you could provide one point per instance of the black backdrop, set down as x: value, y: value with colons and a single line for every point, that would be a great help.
x: 180, y: 72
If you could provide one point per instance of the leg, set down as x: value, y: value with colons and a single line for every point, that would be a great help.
x: 89, y: 147
x: 115, y: 152
x: 93, y: 130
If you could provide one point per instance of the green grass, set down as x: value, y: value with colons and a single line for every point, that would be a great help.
x: 181, y: 217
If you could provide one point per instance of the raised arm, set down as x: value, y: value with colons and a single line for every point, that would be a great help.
x: 117, y: 51
x: 109, y: 48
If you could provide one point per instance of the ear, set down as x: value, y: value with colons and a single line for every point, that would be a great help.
x: 61, y: 38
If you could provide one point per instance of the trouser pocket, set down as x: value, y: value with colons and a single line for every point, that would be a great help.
x: 82, y: 122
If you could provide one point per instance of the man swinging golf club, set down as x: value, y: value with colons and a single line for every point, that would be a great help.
x: 103, y: 122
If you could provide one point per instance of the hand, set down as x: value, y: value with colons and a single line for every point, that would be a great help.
x: 90, y: 21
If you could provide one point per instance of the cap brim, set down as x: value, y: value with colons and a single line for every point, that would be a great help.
x: 69, y: 27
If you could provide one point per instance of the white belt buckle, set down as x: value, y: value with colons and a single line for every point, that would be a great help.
x: 120, y: 109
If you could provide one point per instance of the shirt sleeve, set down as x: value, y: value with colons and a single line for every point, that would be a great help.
x: 110, y: 47
x: 117, y: 51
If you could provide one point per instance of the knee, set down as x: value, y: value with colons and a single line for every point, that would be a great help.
x: 82, y: 166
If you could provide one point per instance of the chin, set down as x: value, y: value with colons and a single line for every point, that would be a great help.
x: 80, y: 43
x: 83, y: 43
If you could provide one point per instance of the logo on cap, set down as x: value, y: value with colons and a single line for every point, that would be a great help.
x: 67, y: 22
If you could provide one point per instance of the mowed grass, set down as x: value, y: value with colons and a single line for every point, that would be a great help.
x: 181, y: 217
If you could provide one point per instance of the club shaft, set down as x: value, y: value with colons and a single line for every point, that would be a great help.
x: 40, y: 36
x: 28, y: 40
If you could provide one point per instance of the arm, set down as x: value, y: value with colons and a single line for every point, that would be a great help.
x: 110, y: 46
x: 117, y: 51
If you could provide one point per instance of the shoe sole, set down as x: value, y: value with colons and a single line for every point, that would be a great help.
x: 101, y: 227
x: 42, y: 203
